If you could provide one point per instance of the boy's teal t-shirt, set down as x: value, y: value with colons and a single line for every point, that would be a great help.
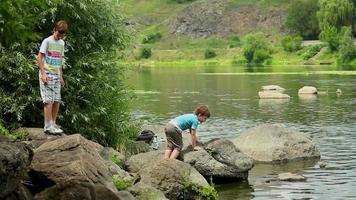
x: 187, y: 121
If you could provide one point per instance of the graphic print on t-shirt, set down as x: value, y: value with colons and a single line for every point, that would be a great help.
x: 53, y: 60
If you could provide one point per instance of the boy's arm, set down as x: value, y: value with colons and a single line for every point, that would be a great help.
x: 41, y: 67
x: 194, y: 139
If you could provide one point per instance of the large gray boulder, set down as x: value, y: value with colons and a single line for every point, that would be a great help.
x: 15, y: 158
x: 272, y: 95
x: 221, y: 160
x: 72, y: 167
x: 273, y: 143
x: 171, y: 176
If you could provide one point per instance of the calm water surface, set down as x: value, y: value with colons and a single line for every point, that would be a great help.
x: 232, y: 96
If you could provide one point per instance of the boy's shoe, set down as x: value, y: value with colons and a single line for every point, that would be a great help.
x: 52, y: 130
x: 58, y: 129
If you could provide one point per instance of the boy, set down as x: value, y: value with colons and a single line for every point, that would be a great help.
x: 50, y: 62
x: 176, y: 126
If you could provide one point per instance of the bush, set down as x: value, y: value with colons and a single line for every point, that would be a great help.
x: 234, y: 41
x: 152, y: 38
x: 310, y: 51
x: 145, y: 52
x: 292, y: 43
x: 209, y: 53
x: 256, y: 48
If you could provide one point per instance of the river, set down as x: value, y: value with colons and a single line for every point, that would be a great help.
x: 231, y: 92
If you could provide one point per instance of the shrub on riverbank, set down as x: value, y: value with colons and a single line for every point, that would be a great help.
x: 256, y: 48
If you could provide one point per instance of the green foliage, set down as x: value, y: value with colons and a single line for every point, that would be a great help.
x: 207, y: 43
x: 115, y: 159
x: 18, y: 20
x: 19, y: 95
x: 183, y: 1
x: 95, y: 96
x: 208, y: 192
x: 309, y: 51
x: 152, y: 38
x: 302, y: 18
x: 209, y: 53
x: 145, y: 52
x: 333, y: 15
x: 292, y: 43
x: 347, y: 50
x: 121, y: 184
x: 256, y: 48
x: 16, y: 135
x: 332, y: 36
x: 234, y: 41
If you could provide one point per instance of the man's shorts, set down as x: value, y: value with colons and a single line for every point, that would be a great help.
x: 52, y: 91
x: 174, y: 137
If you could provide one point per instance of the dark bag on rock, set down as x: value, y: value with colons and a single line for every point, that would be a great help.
x: 146, y: 136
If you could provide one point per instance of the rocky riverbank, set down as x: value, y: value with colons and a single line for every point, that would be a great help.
x: 72, y: 167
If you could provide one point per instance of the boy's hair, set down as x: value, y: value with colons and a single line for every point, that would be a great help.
x: 202, y: 110
x: 61, y: 26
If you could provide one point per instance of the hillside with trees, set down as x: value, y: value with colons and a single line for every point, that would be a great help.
x: 184, y: 30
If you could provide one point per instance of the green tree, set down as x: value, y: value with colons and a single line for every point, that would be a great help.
x: 18, y: 19
x: 256, y: 48
x: 302, y: 18
x: 95, y: 97
x: 333, y: 15
x: 347, y: 51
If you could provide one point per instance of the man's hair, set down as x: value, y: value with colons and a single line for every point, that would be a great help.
x: 202, y: 110
x: 61, y: 26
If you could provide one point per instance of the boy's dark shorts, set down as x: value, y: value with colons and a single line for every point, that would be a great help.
x: 174, y: 137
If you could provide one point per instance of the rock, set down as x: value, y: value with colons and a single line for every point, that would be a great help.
x: 220, y: 160
x: 71, y: 167
x: 273, y: 88
x: 272, y: 95
x: 145, y: 191
x: 15, y: 157
x: 307, y: 90
x: 291, y: 177
x: 140, y: 161
x: 322, y: 164
x: 338, y: 91
x: 274, y: 144
x: 199, y: 19
x: 36, y: 137
x: 171, y: 176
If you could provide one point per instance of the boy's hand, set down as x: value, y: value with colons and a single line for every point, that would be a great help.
x: 44, y: 78
x: 197, y: 148
x: 62, y: 82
